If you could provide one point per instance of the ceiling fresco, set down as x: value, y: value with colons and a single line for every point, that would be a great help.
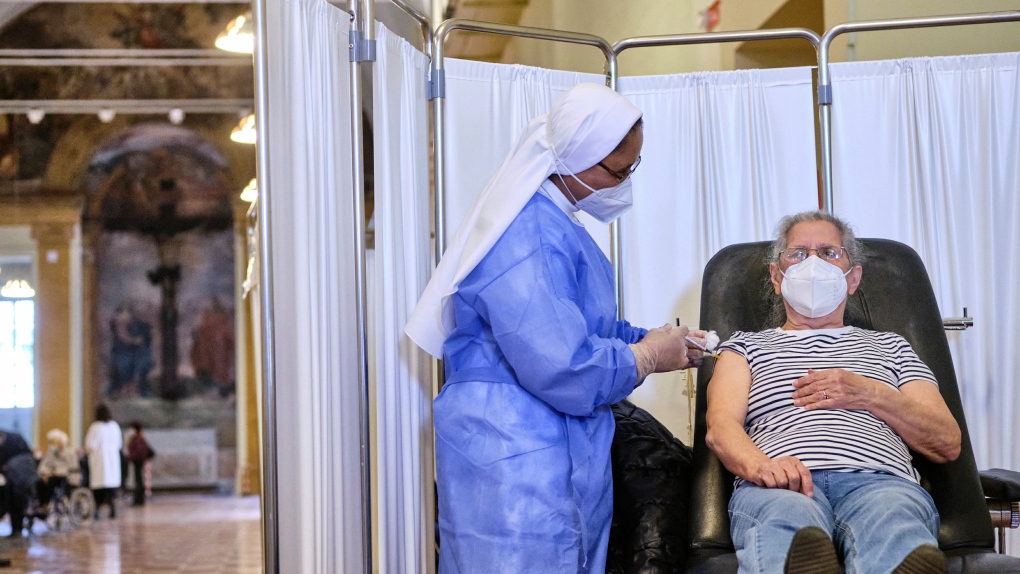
x: 143, y: 26
x: 26, y: 149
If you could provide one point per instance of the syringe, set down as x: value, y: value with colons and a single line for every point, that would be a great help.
x: 704, y: 349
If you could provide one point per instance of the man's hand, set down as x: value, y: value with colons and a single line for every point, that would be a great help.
x: 835, y: 389
x: 786, y: 472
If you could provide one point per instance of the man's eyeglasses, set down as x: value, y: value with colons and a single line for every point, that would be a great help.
x: 626, y: 173
x: 830, y: 253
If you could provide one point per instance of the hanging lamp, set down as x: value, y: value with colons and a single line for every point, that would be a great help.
x: 244, y: 132
x: 17, y: 289
x: 239, y: 35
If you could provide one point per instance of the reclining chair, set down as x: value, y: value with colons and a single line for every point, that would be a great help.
x: 895, y: 295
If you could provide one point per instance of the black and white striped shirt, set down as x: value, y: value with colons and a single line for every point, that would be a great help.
x: 826, y: 439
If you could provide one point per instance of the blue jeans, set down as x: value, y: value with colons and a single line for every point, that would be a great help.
x: 875, y: 520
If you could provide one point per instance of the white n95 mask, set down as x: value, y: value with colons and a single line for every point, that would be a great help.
x: 604, y: 204
x: 814, y: 287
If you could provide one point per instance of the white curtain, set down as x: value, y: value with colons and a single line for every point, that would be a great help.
x: 308, y: 184
x: 725, y: 156
x: 927, y: 151
x: 400, y: 268
x: 487, y: 107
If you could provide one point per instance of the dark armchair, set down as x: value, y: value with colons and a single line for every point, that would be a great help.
x: 895, y: 295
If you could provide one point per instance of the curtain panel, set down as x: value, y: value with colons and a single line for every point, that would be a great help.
x: 400, y: 268
x: 927, y: 151
x: 308, y: 184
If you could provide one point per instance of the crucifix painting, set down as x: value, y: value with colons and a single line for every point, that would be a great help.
x: 161, y: 202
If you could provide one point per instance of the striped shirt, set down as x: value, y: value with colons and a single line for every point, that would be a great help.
x: 826, y: 439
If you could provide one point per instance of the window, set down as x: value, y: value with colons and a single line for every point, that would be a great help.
x: 17, y: 363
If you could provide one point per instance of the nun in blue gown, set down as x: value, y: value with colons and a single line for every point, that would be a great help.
x: 524, y: 314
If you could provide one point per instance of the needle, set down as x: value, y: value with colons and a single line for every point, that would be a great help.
x: 699, y: 345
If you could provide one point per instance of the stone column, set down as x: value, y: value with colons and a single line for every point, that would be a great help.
x: 52, y: 328
x: 249, y: 450
x: 93, y: 378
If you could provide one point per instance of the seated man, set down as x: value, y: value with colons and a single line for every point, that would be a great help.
x: 815, y: 419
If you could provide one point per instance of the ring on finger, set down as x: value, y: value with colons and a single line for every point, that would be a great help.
x: 825, y: 395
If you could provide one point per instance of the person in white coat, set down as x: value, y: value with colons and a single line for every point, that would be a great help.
x: 103, y: 443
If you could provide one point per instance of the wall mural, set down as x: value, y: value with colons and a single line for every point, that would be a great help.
x: 164, y: 330
x: 157, y: 221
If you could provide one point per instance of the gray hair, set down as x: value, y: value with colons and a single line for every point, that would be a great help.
x: 853, y: 247
x: 854, y: 251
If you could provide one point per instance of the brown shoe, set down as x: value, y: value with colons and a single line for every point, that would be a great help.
x: 923, y: 560
x: 811, y: 552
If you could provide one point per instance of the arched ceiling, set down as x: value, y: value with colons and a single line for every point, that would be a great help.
x: 27, y: 148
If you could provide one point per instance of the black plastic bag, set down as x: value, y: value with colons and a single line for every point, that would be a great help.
x: 651, y: 480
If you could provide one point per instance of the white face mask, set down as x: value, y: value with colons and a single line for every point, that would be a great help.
x: 814, y: 287
x: 604, y: 204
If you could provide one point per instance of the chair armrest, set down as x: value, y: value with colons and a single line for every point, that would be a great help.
x: 1001, y: 484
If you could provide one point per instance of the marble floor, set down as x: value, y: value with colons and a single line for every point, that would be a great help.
x: 191, y: 534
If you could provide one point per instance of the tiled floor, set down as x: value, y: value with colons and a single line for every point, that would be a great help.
x: 190, y: 534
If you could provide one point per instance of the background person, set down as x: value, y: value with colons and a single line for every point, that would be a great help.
x: 17, y: 465
x: 817, y: 419
x: 139, y: 452
x: 58, y: 467
x: 523, y: 309
x: 103, y: 443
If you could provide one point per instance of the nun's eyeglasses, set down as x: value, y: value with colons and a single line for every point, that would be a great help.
x: 626, y: 173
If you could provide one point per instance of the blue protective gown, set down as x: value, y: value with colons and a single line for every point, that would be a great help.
x: 523, y: 424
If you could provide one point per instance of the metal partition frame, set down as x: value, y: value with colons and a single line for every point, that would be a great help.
x: 362, y: 54
x: 685, y: 40
x: 423, y: 21
x: 438, y: 89
x: 362, y: 49
x: 269, y: 498
x: 825, y: 83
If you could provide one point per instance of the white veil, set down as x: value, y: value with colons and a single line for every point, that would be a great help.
x: 584, y: 126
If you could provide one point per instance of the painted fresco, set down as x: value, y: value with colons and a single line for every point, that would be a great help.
x: 130, y: 333
x: 164, y: 330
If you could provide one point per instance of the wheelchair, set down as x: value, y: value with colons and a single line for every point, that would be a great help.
x: 72, y: 505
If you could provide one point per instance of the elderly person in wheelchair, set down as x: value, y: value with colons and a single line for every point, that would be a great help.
x: 816, y: 420
x: 59, y: 468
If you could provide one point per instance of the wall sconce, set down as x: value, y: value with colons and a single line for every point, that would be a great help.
x: 35, y: 115
x: 106, y: 115
x: 176, y: 116
x: 250, y: 193
x: 17, y: 289
x: 239, y: 35
x: 245, y: 131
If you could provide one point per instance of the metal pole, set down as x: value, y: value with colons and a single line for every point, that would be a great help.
x: 33, y: 2
x: 202, y: 106
x: 121, y: 53
x: 716, y: 38
x: 365, y: 24
x: 825, y: 83
x: 115, y: 62
x: 615, y: 229
x: 423, y: 21
x: 270, y: 500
